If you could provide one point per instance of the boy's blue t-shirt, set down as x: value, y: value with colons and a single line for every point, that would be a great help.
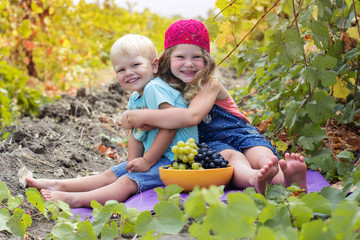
x: 155, y: 93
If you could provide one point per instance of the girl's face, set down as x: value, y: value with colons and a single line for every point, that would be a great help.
x: 134, y: 72
x: 186, y: 60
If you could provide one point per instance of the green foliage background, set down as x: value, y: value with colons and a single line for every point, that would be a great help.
x: 301, y: 57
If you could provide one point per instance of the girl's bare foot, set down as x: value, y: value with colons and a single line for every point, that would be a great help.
x: 266, y: 174
x: 42, y: 184
x: 294, y: 169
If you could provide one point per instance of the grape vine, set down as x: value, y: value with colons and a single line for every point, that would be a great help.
x: 302, y: 57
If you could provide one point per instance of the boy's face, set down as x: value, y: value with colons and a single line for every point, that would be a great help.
x: 134, y: 72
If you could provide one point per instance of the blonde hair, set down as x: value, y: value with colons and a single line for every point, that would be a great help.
x: 188, y: 90
x: 133, y: 44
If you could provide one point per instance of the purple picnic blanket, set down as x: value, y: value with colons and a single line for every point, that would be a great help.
x: 145, y: 201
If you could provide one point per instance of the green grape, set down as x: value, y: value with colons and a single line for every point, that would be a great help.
x: 187, y: 149
x: 181, y: 144
x: 175, y: 165
x: 184, y: 158
x: 176, y: 156
x: 191, y: 140
x: 201, y: 168
x: 191, y: 162
x: 181, y: 155
x: 195, y: 166
x: 194, y: 146
x: 191, y: 156
x: 187, y: 144
x: 182, y: 166
x: 194, y: 151
x: 181, y: 149
x: 175, y: 149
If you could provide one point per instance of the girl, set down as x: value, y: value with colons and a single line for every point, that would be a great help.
x: 186, y: 64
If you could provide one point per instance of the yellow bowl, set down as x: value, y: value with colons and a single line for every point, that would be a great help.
x: 188, y: 179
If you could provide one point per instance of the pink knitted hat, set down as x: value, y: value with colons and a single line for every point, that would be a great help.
x: 188, y: 31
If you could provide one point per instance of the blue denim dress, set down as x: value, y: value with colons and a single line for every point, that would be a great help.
x: 222, y: 130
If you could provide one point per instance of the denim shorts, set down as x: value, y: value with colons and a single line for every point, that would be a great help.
x: 144, y: 180
x: 222, y: 130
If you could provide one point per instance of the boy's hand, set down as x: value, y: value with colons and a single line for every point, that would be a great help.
x: 138, y: 165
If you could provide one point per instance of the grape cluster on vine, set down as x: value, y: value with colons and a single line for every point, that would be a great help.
x: 192, y: 155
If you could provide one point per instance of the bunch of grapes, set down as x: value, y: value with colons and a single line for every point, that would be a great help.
x: 209, y: 158
x: 189, y: 155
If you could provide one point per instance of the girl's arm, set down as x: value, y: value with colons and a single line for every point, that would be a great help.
x: 173, y: 118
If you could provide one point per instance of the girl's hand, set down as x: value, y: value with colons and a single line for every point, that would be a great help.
x: 148, y: 127
x: 125, y: 123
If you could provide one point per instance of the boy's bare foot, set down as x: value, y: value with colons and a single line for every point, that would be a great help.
x: 294, y: 169
x: 42, y: 183
x: 266, y: 174
x: 66, y: 197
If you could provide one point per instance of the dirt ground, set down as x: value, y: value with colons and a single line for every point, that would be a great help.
x: 62, y: 142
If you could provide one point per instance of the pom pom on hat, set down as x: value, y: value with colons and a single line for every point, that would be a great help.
x: 188, y: 31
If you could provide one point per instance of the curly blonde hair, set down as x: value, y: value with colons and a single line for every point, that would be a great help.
x: 202, y: 77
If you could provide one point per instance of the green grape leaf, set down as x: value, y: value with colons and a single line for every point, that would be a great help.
x: 172, y: 190
x: 18, y: 222
x: 24, y: 29
x: 36, y: 199
x: 132, y: 214
x: 322, y: 110
x: 212, y: 27
x: 235, y: 219
x: 276, y: 192
x: 321, y: 160
x: 15, y: 202
x: 317, y: 203
x: 169, y: 218
x: 312, y: 134
x: 144, y: 223
x: 334, y: 195
x: 315, y: 229
x: 229, y: 10
x: 53, y: 208
x: 291, y: 114
x: 345, y: 219
x: 103, y: 215
x: 4, y: 218
x: 195, y: 205
x: 317, y: 71
x: 65, y: 207
x: 320, y: 34
x: 301, y: 214
x: 267, y: 213
x: 200, y: 231
x: 109, y: 232
x: 4, y: 191
x: 265, y: 233
x: 291, y: 48
x: 63, y: 231
x: 160, y: 192
x: 212, y: 194
x: 85, y: 231
x: 275, y: 43
x: 324, y: 8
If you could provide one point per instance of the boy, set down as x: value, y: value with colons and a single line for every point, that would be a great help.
x: 135, y: 62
